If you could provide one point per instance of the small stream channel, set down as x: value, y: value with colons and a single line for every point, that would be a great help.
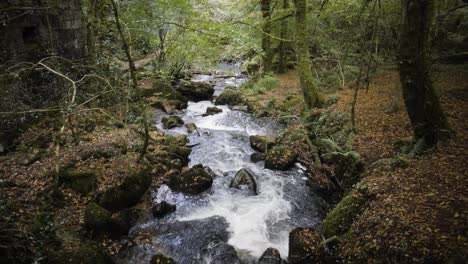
x: 203, y: 224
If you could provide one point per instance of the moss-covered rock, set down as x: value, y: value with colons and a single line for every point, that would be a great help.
x: 81, y: 181
x: 229, y: 97
x: 161, y: 259
x: 179, y: 152
x: 339, y: 220
x: 261, y: 143
x: 96, y: 217
x: 191, y: 127
x: 32, y: 155
x: 172, y: 121
x: 127, y: 194
x: 166, y: 105
x: 305, y: 246
x: 192, y: 181
x: 104, y: 150
x: 280, y: 158
x: 196, y: 91
x: 212, y: 111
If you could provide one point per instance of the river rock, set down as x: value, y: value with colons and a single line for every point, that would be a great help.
x: 305, y: 246
x: 244, y: 177
x: 223, y: 253
x: 280, y: 158
x: 191, y: 127
x: 127, y: 194
x: 196, y: 91
x: 172, y: 121
x: 192, y: 181
x: 161, y: 259
x: 261, y: 143
x: 81, y: 181
x: 257, y: 157
x: 198, y: 237
x: 163, y: 208
x: 178, y: 152
x: 229, y: 97
x: 270, y: 256
x: 212, y: 111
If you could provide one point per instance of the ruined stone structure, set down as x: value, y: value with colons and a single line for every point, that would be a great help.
x: 32, y: 29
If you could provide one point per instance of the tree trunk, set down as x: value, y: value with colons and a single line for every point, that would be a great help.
x: 282, y: 63
x: 138, y: 92
x: 311, y: 96
x: 266, y: 40
x: 422, y: 103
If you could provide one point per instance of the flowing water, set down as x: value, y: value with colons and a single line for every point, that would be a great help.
x: 249, y: 223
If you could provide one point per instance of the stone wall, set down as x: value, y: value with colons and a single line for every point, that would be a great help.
x: 33, y: 29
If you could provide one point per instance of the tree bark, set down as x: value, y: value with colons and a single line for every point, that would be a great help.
x: 311, y: 95
x: 422, y: 103
x: 266, y: 40
x: 282, y: 63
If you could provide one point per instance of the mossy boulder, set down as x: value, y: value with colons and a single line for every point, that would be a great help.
x: 339, y: 220
x: 196, y: 91
x: 127, y: 194
x: 104, y: 150
x: 81, y: 181
x: 172, y: 121
x: 166, y: 105
x: 163, y: 208
x: 96, y: 217
x: 229, y: 97
x: 305, y: 246
x: 101, y: 221
x: 191, y: 127
x: 192, y: 181
x: 178, y: 152
x: 161, y: 259
x: 261, y: 143
x: 270, y: 256
x: 280, y: 158
x: 212, y: 111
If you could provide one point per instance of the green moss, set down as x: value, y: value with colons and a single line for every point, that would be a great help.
x: 339, y: 220
x: 280, y: 158
x: 172, y: 121
x: 261, y: 143
x: 229, y: 97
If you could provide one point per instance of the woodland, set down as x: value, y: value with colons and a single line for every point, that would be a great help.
x: 233, y: 131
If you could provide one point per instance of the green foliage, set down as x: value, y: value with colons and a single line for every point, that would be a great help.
x: 264, y: 84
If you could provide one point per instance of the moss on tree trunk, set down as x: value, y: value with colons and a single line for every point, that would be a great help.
x: 311, y: 96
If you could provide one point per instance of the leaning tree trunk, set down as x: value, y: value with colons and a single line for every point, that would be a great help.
x: 266, y: 40
x: 422, y: 103
x: 311, y: 96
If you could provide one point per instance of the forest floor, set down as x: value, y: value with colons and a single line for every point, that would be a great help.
x: 418, y: 210
x: 418, y: 213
